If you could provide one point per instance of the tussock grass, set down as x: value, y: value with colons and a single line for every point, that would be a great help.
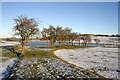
x: 28, y: 54
x: 8, y: 54
x: 42, y: 54
x: 67, y: 47
x: 38, y: 54
x: 16, y: 48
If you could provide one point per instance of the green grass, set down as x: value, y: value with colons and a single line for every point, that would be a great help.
x: 67, y: 47
x: 38, y: 53
x: 42, y: 53
x: 31, y: 54
x: 72, y: 47
x: 16, y: 48
x: 8, y: 54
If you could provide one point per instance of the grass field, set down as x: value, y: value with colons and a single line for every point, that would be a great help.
x: 46, y: 58
x: 35, y: 52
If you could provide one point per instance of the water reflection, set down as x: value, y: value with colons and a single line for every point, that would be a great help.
x: 44, y: 44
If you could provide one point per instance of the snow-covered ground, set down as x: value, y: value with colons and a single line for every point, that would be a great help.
x: 103, y: 60
x: 3, y: 65
x: 104, y: 40
x: 8, y: 43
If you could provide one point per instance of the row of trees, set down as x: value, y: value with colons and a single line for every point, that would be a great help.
x: 63, y: 36
x: 26, y: 28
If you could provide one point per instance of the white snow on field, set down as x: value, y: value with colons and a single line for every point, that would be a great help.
x: 3, y: 65
x: 8, y: 43
x: 104, y: 40
x: 103, y: 60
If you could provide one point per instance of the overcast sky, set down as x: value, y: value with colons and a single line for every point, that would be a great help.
x: 83, y: 17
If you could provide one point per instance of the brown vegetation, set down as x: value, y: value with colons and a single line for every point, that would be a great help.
x: 25, y: 27
x: 63, y: 36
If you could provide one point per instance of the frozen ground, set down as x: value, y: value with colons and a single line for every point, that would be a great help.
x: 49, y: 67
x: 4, y: 62
x: 8, y: 43
x: 105, y: 40
x: 103, y: 60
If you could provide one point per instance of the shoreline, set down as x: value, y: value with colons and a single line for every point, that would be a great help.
x: 104, y: 42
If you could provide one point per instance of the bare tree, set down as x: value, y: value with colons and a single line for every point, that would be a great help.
x: 37, y: 38
x: 26, y: 28
x: 59, y: 35
x: 97, y: 41
x: 68, y: 35
x: 79, y: 38
x: 89, y: 39
x: 86, y: 39
x: 45, y: 34
x: 52, y: 35
x: 73, y: 37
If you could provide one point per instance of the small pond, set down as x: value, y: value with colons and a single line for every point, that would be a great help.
x: 44, y: 44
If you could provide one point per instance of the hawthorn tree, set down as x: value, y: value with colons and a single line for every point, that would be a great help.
x: 45, y: 34
x: 86, y: 39
x: 59, y: 35
x: 97, y: 41
x: 73, y: 37
x: 26, y: 28
x: 68, y: 35
x: 51, y: 32
x: 79, y: 38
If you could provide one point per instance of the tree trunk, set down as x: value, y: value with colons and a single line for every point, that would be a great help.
x: 59, y: 43
x: 69, y: 43
x: 62, y: 43
x: 23, y: 48
x: 79, y: 43
x: 85, y: 44
x: 47, y: 43
x: 50, y: 42
x: 53, y: 44
x: 72, y: 43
